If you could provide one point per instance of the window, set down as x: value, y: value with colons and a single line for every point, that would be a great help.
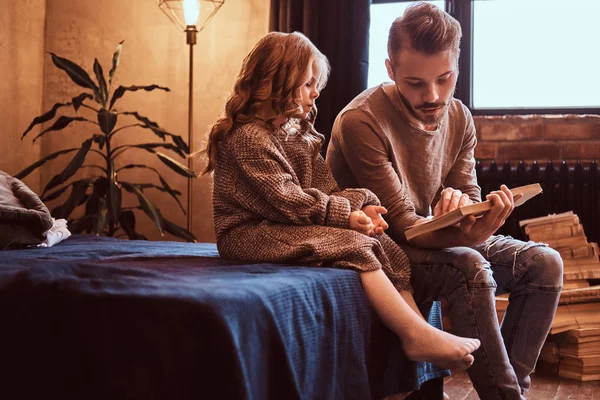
x: 517, y: 56
x: 382, y: 16
x: 536, y: 54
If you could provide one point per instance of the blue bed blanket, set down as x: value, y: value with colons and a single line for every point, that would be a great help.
x: 102, y: 318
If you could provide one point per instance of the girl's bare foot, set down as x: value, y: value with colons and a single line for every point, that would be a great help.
x: 440, y: 348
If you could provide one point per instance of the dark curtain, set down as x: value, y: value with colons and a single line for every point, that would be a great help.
x: 340, y: 29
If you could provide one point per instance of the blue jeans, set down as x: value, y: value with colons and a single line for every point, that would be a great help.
x: 469, y: 278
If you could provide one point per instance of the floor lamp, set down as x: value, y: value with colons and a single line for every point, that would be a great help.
x: 191, y: 16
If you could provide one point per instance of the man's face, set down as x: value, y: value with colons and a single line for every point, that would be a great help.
x: 425, y: 82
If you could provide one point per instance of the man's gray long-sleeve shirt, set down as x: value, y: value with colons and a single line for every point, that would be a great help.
x: 374, y: 146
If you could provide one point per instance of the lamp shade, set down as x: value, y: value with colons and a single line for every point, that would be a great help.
x: 190, y: 12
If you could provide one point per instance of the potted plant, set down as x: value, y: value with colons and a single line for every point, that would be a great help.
x: 100, y: 194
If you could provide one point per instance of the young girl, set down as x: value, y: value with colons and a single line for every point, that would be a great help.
x: 275, y: 199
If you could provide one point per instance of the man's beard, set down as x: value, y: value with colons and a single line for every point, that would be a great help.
x: 425, y: 119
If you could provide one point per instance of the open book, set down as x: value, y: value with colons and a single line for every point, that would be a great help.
x: 476, y: 209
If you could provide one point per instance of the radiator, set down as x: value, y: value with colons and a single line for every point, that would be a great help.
x: 567, y: 187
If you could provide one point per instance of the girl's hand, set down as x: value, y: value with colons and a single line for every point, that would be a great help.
x: 360, y: 222
x: 379, y: 224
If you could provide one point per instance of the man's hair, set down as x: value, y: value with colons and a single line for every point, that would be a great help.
x: 425, y: 28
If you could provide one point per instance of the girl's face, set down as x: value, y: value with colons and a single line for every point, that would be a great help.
x: 309, y: 90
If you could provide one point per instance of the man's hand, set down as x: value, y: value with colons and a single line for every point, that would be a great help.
x: 450, y: 200
x: 374, y: 212
x: 360, y: 222
x: 476, y: 231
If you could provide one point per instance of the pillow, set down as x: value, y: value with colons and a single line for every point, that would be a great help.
x: 17, y: 236
x: 23, y: 216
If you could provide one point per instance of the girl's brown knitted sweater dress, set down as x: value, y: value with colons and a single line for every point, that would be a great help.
x: 274, y: 202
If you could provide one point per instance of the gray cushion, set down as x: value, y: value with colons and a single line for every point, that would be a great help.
x: 23, y: 216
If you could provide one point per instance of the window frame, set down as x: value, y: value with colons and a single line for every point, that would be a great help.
x: 462, y: 10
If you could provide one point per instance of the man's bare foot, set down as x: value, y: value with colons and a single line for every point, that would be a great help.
x: 440, y: 348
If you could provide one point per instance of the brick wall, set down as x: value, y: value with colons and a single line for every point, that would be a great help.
x: 538, y: 137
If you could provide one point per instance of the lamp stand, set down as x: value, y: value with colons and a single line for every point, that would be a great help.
x: 191, y: 37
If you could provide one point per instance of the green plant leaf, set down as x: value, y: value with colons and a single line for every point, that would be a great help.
x: 99, y: 191
x: 107, y: 120
x: 154, y: 186
x: 56, y: 212
x: 122, y: 89
x: 61, y: 123
x: 84, y: 199
x: 177, y: 166
x: 76, y: 73
x: 141, y: 118
x: 131, y: 166
x: 41, y: 162
x: 175, y: 192
x: 147, y: 123
x: 151, y: 146
x: 80, y: 224
x: 101, y: 217
x: 115, y: 63
x: 100, y: 139
x: 47, y: 116
x: 71, y: 168
x: 179, y: 231
x: 77, y: 193
x: 180, y: 143
x: 57, y: 193
x: 127, y: 222
x: 101, y: 81
x: 114, y: 193
x: 158, y: 131
x: 178, y: 140
x: 78, y: 100
x: 165, y: 188
x: 172, y: 193
x: 101, y: 186
x: 147, y: 206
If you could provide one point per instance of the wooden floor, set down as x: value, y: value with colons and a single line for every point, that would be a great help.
x: 544, y: 386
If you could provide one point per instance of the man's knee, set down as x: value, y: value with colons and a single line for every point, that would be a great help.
x: 474, y: 267
x: 544, y: 266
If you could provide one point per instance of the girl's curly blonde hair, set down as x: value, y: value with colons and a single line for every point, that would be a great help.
x: 272, y: 72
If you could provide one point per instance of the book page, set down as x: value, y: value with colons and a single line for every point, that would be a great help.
x: 476, y: 209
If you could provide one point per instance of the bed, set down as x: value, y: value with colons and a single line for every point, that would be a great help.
x: 102, y: 318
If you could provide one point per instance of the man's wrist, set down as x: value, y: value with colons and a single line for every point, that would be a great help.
x: 470, y: 240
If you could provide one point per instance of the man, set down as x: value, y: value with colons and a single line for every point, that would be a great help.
x: 412, y: 144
